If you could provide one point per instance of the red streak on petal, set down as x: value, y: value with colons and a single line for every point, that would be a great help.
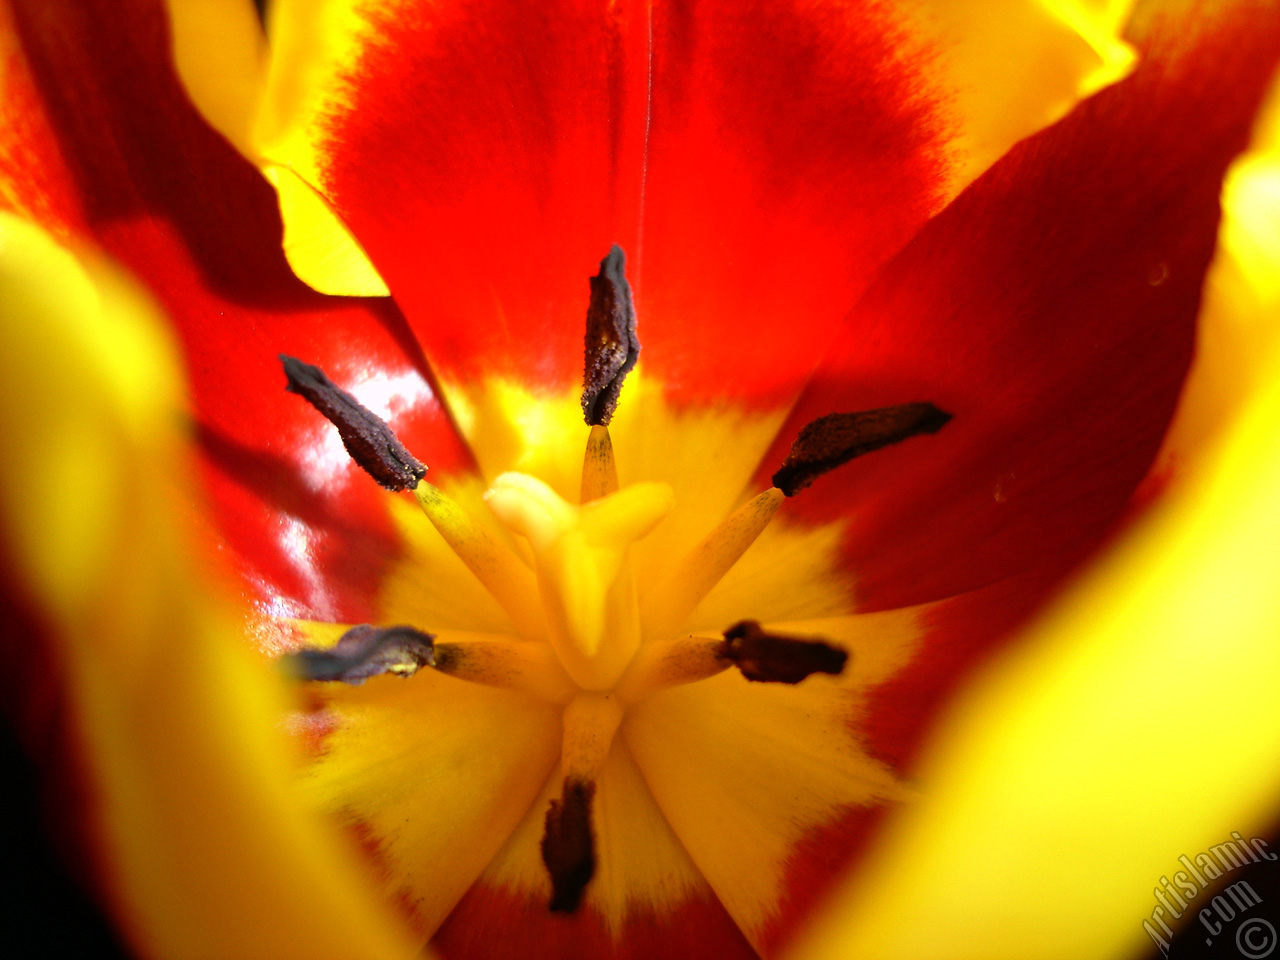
x: 311, y: 728
x: 368, y: 843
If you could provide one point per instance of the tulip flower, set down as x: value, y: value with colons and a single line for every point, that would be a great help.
x: 914, y: 291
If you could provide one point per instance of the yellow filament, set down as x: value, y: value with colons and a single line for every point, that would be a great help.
x: 599, y: 471
x: 506, y: 662
x: 495, y: 566
x: 590, y: 721
x: 710, y: 560
x: 671, y: 663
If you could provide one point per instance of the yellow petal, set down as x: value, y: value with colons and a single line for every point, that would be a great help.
x: 744, y: 771
x: 439, y: 772
x: 318, y: 246
x: 221, y: 56
x: 194, y: 786
x: 641, y: 868
x: 1015, y: 66
x: 1136, y: 722
x: 231, y: 75
x: 1237, y: 327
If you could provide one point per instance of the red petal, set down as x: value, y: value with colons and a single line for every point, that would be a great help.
x: 491, y: 924
x: 117, y: 154
x: 1051, y: 308
x: 757, y: 163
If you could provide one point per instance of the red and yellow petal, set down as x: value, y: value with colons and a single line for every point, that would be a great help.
x: 646, y: 899
x: 435, y: 773
x: 1051, y: 308
x: 1057, y: 766
x: 192, y: 790
x: 162, y: 194
x: 754, y: 210
x: 105, y: 146
x: 745, y: 772
x: 1133, y: 727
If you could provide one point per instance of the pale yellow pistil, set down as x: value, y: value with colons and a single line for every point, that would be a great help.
x: 581, y: 559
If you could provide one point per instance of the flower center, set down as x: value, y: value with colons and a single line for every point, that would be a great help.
x: 565, y: 580
x: 582, y: 563
x: 589, y: 617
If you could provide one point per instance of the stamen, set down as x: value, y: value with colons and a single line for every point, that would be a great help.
x: 768, y: 658
x: 568, y: 846
x: 494, y: 564
x: 671, y: 663
x: 366, y: 436
x: 611, y: 345
x: 837, y: 438
x: 599, y: 471
x: 590, y: 721
x: 528, y: 666
x: 710, y: 560
x: 365, y: 651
